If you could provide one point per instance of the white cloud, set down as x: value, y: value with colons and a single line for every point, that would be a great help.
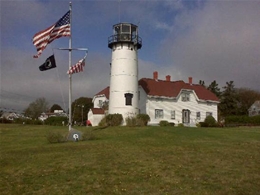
x: 218, y: 43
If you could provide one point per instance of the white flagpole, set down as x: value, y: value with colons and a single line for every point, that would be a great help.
x: 70, y: 75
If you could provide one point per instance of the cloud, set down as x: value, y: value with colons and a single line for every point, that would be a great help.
x: 218, y: 42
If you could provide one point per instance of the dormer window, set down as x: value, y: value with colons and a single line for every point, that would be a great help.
x: 185, y: 97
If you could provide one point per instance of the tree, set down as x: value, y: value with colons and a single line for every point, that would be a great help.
x: 80, y: 108
x: 246, y: 97
x: 55, y: 107
x: 213, y: 87
x: 35, y: 108
x: 229, y: 101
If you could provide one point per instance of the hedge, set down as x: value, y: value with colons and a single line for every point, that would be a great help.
x: 242, y: 120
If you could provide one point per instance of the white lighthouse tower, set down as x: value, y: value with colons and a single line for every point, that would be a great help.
x: 124, y: 43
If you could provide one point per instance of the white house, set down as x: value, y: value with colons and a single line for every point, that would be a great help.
x: 173, y: 101
x: 96, y: 113
x: 10, y: 115
x: 254, y: 109
x: 56, y: 113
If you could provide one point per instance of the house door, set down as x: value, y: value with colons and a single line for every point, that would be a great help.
x: 185, y: 116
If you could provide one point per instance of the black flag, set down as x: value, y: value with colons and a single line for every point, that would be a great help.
x: 48, y: 64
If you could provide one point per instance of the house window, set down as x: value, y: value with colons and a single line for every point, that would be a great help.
x: 198, y: 115
x: 158, y: 113
x: 100, y: 103
x: 208, y: 114
x: 173, y: 114
x: 185, y: 97
x: 128, y: 99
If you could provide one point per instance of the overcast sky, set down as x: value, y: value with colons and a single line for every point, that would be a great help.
x: 207, y: 40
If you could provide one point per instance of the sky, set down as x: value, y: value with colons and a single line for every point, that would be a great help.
x: 206, y: 40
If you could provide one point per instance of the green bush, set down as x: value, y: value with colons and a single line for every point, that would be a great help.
x: 56, y: 120
x: 131, y: 121
x: 28, y: 121
x: 180, y: 125
x: 55, y: 137
x: 103, y: 122
x: 203, y: 124
x: 142, y: 119
x: 111, y: 120
x: 210, y: 121
x: 164, y: 123
x: 242, y: 120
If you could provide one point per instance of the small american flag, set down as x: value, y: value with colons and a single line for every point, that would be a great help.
x: 57, y: 30
x: 77, y: 67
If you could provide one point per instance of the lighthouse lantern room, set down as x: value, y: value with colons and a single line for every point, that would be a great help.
x: 124, y: 44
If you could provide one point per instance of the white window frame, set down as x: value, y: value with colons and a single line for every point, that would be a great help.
x: 158, y: 114
x: 172, y: 114
x: 209, y: 114
x: 198, y: 115
x: 100, y: 103
x: 185, y: 97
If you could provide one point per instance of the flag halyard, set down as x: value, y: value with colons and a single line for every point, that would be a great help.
x: 57, y: 30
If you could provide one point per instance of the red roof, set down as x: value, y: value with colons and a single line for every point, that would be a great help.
x: 98, y: 111
x: 172, y: 89
x: 104, y: 92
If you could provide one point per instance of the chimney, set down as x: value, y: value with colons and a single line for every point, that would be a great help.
x: 190, y: 80
x: 168, y: 78
x: 155, y: 75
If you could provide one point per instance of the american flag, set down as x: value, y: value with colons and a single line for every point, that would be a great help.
x: 57, y: 30
x: 77, y: 67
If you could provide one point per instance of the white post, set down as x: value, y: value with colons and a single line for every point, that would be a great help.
x: 70, y: 75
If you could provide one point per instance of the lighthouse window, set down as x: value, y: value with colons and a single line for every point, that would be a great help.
x: 117, y: 29
x: 126, y: 28
x: 128, y: 99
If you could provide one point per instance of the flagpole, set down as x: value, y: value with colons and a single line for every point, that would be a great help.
x: 70, y: 75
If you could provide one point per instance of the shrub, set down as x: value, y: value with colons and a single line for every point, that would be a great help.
x: 55, y: 137
x: 56, y: 120
x: 164, y: 123
x: 203, y: 124
x: 142, y: 119
x: 111, y: 120
x: 180, y: 125
x: 131, y: 121
x: 103, y: 122
x: 210, y: 121
x: 172, y: 124
x: 242, y: 120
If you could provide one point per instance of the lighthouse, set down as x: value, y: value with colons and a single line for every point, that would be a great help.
x: 123, y: 93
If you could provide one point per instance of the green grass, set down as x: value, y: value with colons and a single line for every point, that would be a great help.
x: 122, y: 160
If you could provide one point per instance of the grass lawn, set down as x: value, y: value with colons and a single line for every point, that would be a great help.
x: 124, y: 160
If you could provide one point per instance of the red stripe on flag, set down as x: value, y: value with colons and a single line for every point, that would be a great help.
x: 44, y: 37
